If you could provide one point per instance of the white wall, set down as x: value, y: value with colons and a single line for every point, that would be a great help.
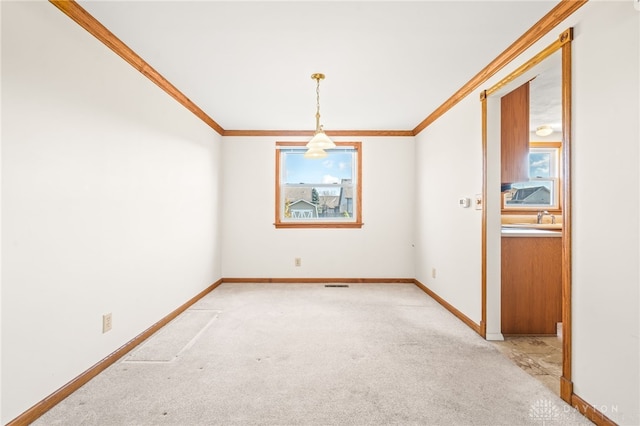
x: 606, y: 356
x: 606, y: 210
x: 448, y: 238
x: 110, y: 202
x: 111, y: 198
x: 382, y: 248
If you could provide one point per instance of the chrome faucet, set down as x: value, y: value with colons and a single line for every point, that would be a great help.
x: 541, y: 213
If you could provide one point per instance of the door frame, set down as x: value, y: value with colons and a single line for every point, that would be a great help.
x: 563, y: 43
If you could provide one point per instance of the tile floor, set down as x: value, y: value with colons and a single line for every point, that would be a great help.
x: 541, y: 357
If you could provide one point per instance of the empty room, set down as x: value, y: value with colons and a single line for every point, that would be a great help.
x: 320, y: 212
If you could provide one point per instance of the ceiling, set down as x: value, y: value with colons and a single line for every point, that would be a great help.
x: 248, y: 65
x: 546, y: 94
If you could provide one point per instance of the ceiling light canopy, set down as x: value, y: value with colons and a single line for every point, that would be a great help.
x: 544, y: 130
x: 320, y: 141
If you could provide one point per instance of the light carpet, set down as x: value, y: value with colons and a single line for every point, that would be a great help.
x: 305, y: 354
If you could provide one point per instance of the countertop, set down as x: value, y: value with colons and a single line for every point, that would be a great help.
x: 530, y: 232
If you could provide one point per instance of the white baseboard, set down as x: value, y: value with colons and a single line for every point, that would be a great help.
x: 495, y: 336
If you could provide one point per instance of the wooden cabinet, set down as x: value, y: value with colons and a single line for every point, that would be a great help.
x: 514, y: 135
x: 531, y: 285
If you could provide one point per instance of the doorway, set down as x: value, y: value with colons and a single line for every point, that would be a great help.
x: 494, y: 200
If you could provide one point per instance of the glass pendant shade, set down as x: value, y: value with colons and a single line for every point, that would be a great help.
x: 315, y: 152
x: 321, y: 140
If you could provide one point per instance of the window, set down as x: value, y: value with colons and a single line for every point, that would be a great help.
x: 542, y: 191
x: 318, y: 193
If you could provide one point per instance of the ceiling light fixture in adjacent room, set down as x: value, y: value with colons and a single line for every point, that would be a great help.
x: 544, y: 130
x: 320, y: 141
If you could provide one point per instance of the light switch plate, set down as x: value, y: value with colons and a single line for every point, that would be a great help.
x: 478, y: 202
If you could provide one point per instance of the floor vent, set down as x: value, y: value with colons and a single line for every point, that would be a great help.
x: 336, y: 285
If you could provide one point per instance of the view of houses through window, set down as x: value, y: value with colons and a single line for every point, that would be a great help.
x: 319, y: 201
x: 317, y: 190
x: 541, y: 191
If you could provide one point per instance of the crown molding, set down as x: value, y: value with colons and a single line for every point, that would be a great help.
x: 309, y: 133
x: 547, y: 23
x: 83, y: 18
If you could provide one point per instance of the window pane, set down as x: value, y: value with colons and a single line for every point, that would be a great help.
x: 542, y: 189
x: 318, y: 193
x: 540, y: 193
x: 540, y: 164
x: 337, y: 166
x: 317, y: 202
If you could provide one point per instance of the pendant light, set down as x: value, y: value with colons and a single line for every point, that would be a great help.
x: 320, y: 141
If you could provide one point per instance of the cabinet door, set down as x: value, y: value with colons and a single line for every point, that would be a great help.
x: 514, y: 135
x: 531, y: 298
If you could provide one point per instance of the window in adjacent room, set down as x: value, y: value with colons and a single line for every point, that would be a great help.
x: 318, y: 193
x: 542, y: 190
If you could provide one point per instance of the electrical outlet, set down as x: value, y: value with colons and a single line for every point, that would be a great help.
x: 298, y: 261
x: 106, y: 322
x: 433, y: 273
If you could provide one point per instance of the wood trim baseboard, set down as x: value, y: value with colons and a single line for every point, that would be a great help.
x: 49, y: 402
x: 56, y: 397
x: 318, y: 280
x: 566, y: 389
x: 590, y: 412
x: 462, y: 317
